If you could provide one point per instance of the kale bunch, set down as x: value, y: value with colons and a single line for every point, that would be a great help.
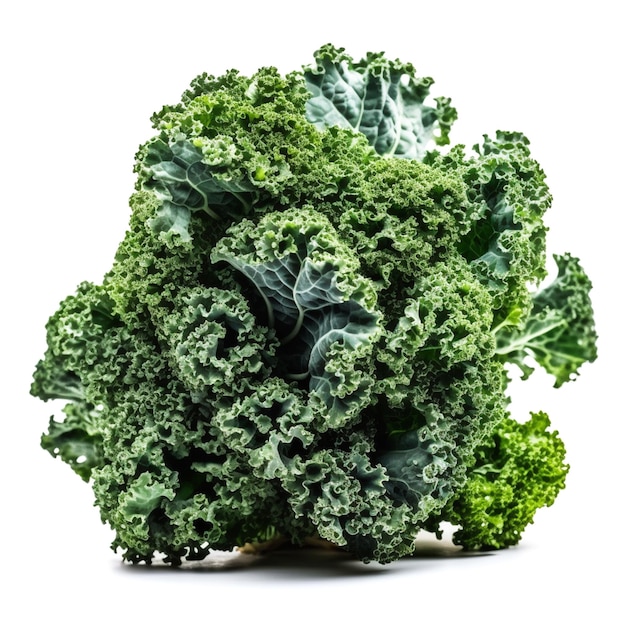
x: 306, y: 328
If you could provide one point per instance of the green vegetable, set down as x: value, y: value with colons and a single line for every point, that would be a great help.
x: 306, y: 330
x: 519, y: 469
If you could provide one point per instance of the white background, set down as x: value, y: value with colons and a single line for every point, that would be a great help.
x: 79, y: 83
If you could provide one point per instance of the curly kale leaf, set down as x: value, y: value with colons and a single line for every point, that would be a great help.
x: 344, y: 494
x: 507, y: 198
x: 73, y: 334
x: 518, y: 470
x: 381, y: 99
x: 76, y: 439
x: 560, y: 332
x: 442, y: 390
x: 188, y: 177
x: 322, y: 310
x: 216, y: 343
